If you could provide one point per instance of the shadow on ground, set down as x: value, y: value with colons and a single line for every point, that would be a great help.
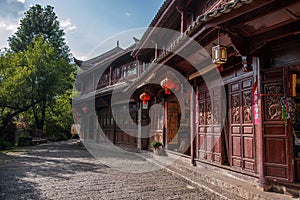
x: 20, y: 168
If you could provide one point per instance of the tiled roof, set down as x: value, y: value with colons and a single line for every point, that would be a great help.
x: 91, y: 95
x: 160, y: 12
x: 90, y: 63
x: 226, y: 8
x: 105, y: 55
x: 101, y: 60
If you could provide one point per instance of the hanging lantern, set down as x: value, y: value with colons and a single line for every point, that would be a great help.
x: 219, y: 53
x: 145, y: 97
x: 85, y: 109
x: 167, y: 84
x: 167, y: 91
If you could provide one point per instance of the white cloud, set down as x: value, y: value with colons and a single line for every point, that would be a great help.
x: 128, y: 14
x: 10, y: 13
x: 67, y: 25
x: 5, y: 26
x: 12, y: 27
x: 11, y: 9
x: 21, y: 1
x: 79, y: 55
x: 6, y: 30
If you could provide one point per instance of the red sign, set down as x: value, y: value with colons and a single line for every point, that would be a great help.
x: 255, y: 104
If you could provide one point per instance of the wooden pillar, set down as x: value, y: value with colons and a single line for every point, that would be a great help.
x: 193, y: 129
x: 94, y: 86
x: 183, y: 21
x: 139, y: 140
x: 259, y: 133
x: 165, y: 129
x: 156, y: 51
x: 115, y: 131
x: 110, y: 75
x: 140, y: 65
x: 289, y: 130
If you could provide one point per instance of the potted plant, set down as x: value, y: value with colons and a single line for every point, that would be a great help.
x: 156, y: 145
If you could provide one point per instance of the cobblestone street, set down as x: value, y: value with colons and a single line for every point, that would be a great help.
x: 66, y: 170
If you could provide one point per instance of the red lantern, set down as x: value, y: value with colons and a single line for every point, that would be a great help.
x: 145, y: 97
x: 167, y: 91
x: 167, y: 84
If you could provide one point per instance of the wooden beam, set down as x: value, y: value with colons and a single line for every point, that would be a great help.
x: 265, y: 8
x: 256, y: 42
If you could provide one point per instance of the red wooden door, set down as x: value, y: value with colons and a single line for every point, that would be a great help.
x: 172, y: 136
x: 277, y: 134
x: 241, y: 128
x: 209, y: 132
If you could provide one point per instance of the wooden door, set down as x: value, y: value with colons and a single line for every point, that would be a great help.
x: 241, y: 128
x: 277, y: 135
x: 172, y: 136
x: 210, y: 119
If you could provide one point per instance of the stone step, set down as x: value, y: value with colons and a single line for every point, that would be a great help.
x: 227, y: 187
x: 197, y: 182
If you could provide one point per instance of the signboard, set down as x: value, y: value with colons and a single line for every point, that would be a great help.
x: 145, y: 105
x: 255, y: 104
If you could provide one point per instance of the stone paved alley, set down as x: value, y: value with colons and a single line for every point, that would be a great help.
x: 66, y: 170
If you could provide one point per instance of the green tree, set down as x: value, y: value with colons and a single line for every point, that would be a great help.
x: 14, y: 87
x: 39, y: 21
x: 36, y: 71
x: 32, y: 79
x: 50, y: 78
x: 59, y: 116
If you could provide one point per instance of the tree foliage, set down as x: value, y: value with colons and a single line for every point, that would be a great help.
x: 50, y: 78
x: 14, y: 87
x: 39, y: 21
x: 32, y: 79
x: 36, y: 75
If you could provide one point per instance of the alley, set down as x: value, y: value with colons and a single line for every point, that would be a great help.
x: 66, y: 170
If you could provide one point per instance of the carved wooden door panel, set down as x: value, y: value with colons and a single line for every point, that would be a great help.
x: 209, y: 132
x: 172, y: 136
x: 277, y: 141
x: 241, y: 133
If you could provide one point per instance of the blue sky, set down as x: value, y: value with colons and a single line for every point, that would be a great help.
x: 92, y: 26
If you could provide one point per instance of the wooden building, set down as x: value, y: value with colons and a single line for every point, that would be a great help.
x: 101, y: 77
x: 247, y: 126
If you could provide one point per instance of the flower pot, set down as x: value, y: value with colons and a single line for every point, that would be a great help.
x: 158, y: 151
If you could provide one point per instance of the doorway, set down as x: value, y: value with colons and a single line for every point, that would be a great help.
x: 225, y: 134
x: 295, y: 118
x: 241, y: 126
x: 172, y: 126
